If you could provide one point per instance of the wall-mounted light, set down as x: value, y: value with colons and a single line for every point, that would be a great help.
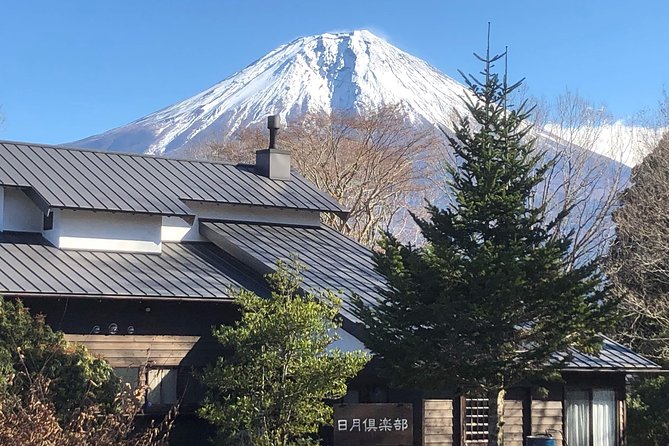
x: 95, y: 329
x: 131, y: 329
x: 113, y: 328
x: 47, y: 223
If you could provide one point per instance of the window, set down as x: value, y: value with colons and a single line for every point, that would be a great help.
x: 590, y: 417
x: 475, y: 421
x: 162, y: 387
x: 128, y: 375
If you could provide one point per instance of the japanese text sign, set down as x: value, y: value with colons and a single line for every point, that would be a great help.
x: 373, y: 424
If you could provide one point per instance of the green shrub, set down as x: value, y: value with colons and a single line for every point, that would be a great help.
x: 648, y: 412
x: 30, y: 348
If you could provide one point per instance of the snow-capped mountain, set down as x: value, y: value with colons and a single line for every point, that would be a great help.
x: 621, y: 142
x: 335, y: 71
x: 359, y: 71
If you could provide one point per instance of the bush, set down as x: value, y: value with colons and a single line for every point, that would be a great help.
x: 30, y: 348
x: 32, y: 420
x: 55, y: 393
x: 270, y: 390
x: 648, y: 412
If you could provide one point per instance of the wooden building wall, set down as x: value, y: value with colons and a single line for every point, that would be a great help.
x: 438, y: 422
x: 513, y: 423
x: 178, y: 334
x: 440, y: 418
x: 138, y: 350
x: 166, y: 334
x: 147, y: 317
x: 547, y: 416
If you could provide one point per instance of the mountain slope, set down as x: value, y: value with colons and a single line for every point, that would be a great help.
x: 344, y: 71
x: 355, y: 72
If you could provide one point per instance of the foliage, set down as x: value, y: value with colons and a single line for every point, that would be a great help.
x: 29, y: 347
x: 648, y: 412
x: 33, y: 420
x: 638, y: 266
x: 491, y: 296
x: 638, y: 263
x: 54, y: 393
x: 270, y: 390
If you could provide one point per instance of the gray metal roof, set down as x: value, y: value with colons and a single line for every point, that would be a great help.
x: 30, y: 266
x: 333, y: 260
x: 64, y: 178
x: 612, y: 356
x: 337, y: 262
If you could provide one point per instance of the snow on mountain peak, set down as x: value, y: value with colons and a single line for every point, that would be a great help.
x: 350, y: 71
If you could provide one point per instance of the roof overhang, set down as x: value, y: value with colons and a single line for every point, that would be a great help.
x: 22, y: 295
x: 629, y: 371
x: 188, y: 218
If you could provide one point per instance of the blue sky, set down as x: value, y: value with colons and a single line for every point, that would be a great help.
x: 70, y: 69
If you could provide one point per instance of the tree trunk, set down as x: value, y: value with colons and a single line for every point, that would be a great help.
x: 496, y: 417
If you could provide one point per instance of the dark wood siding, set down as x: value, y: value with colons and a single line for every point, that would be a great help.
x: 146, y: 316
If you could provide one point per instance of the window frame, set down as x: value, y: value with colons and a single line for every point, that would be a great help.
x: 126, y: 372
x: 463, y: 421
x: 591, y: 427
x: 150, y: 406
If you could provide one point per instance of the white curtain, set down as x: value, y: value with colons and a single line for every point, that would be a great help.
x: 578, y: 418
x: 162, y: 385
x: 603, y: 417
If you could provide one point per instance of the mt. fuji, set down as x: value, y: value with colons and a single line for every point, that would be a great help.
x: 358, y: 72
x: 353, y: 71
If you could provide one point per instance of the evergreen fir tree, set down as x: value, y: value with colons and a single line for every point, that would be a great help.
x: 489, y: 299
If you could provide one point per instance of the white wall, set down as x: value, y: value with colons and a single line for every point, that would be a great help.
x: 19, y: 213
x: 53, y: 234
x: 124, y: 232
x: 176, y: 229
x: 347, y: 342
x: 258, y: 214
x: 105, y: 231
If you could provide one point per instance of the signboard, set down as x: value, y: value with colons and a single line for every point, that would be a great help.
x: 373, y: 424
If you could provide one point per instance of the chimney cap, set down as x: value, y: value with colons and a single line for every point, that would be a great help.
x: 272, y: 162
x: 274, y: 122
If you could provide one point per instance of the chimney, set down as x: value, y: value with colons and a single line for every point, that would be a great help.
x: 272, y: 162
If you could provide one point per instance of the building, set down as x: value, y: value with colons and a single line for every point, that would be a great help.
x: 134, y: 257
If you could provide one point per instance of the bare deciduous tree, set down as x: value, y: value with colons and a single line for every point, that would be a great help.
x: 375, y: 164
x: 638, y: 264
x: 239, y: 148
x: 32, y: 420
x: 379, y: 166
x: 580, y: 179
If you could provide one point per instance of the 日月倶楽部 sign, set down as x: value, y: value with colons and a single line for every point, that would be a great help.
x: 373, y: 425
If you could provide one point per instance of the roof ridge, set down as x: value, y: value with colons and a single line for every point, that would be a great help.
x: 613, y: 341
x: 113, y: 152
x: 155, y: 182
x: 228, y: 221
